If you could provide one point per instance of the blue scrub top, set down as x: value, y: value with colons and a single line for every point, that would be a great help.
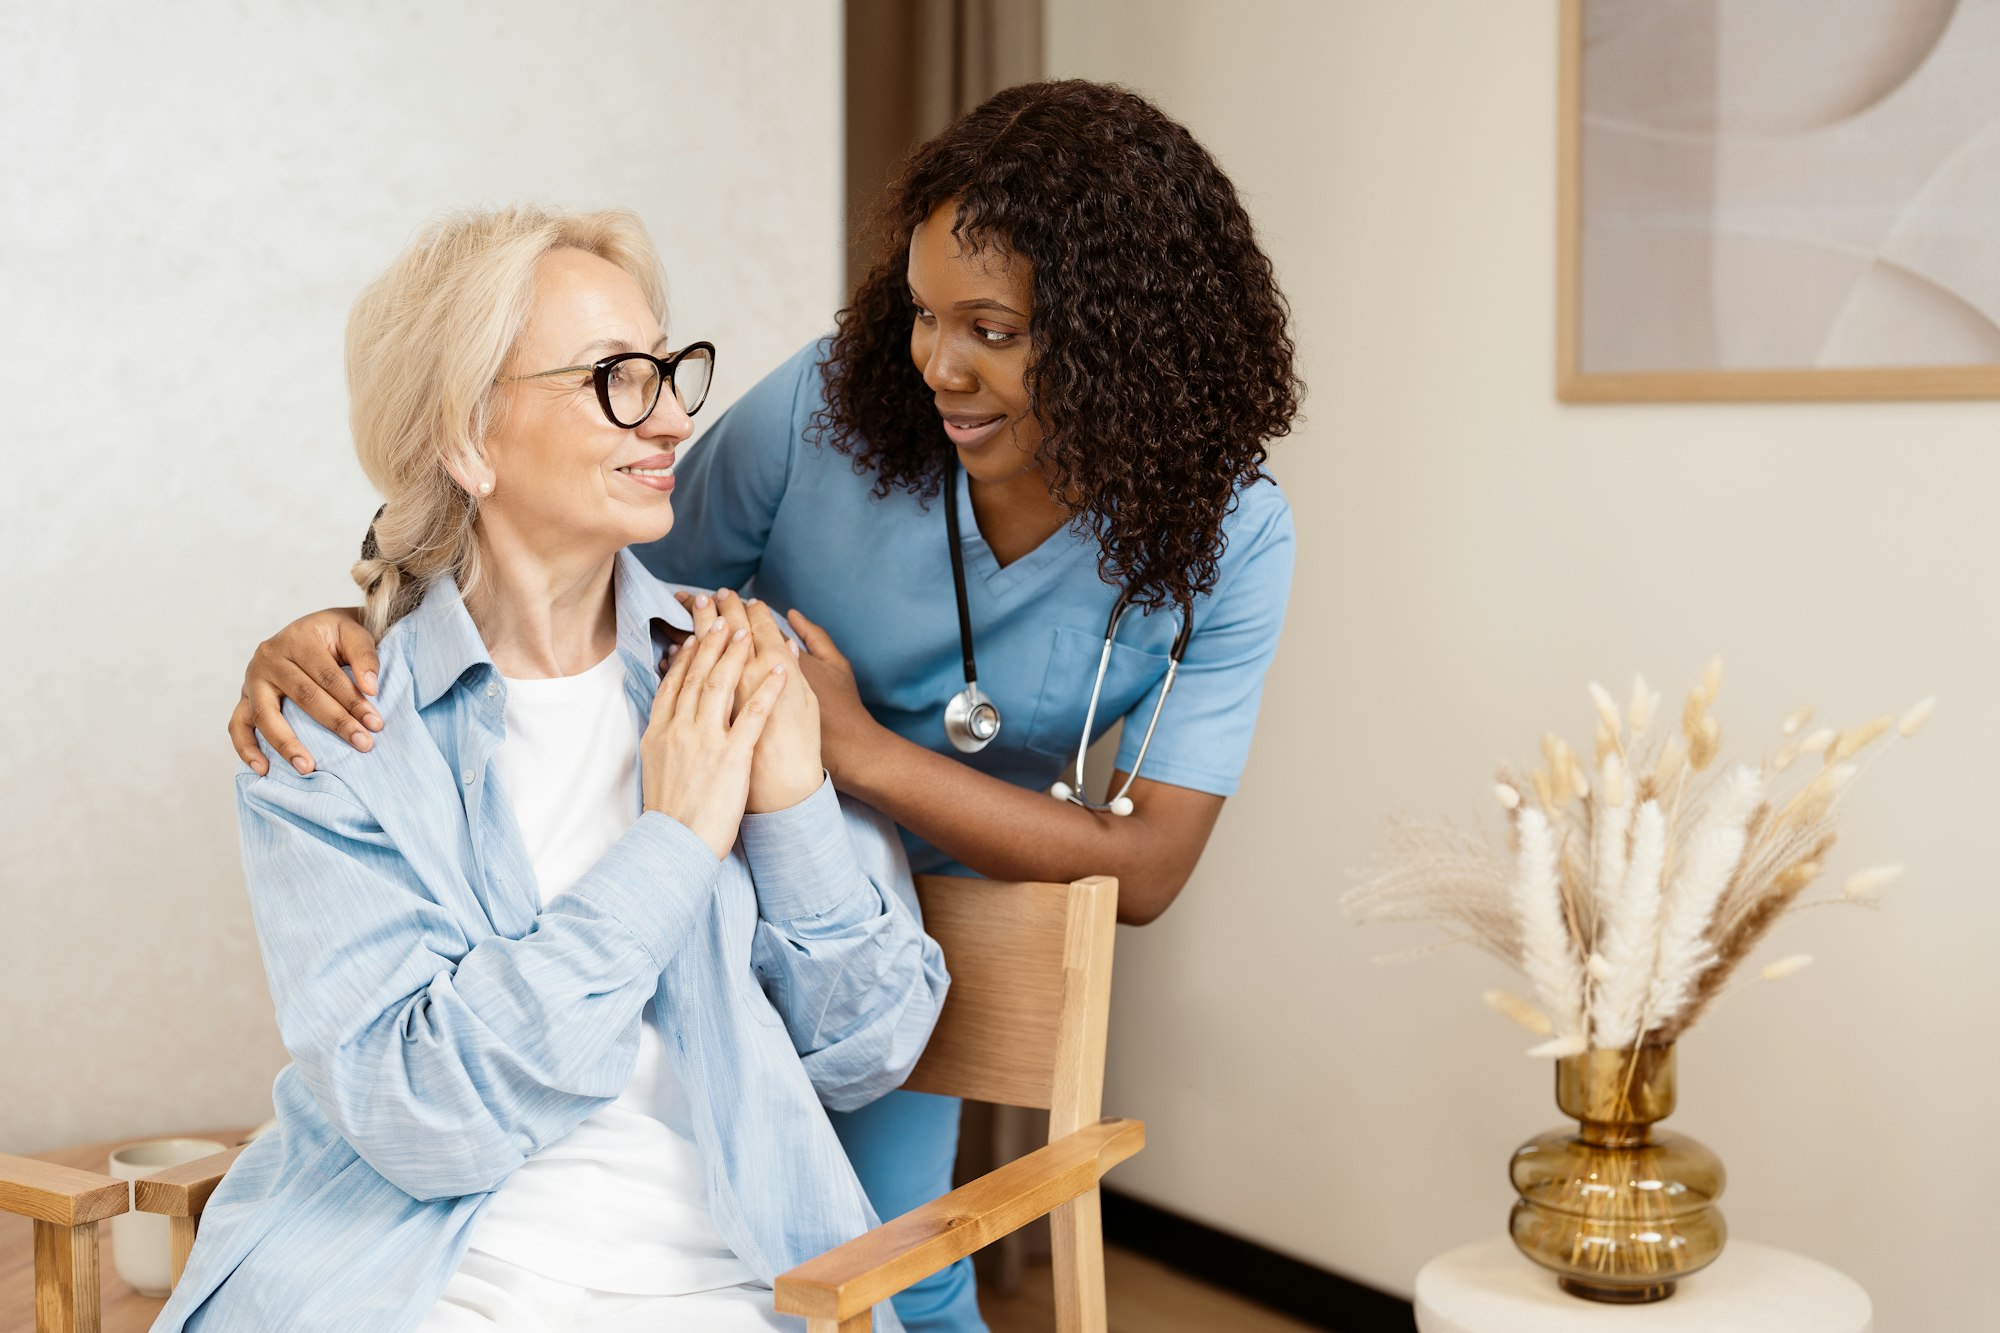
x: 761, y: 507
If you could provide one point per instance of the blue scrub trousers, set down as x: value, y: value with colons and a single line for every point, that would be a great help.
x: 903, y: 1148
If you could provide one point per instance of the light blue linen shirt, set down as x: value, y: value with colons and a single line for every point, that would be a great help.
x: 445, y: 1025
x: 759, y: 503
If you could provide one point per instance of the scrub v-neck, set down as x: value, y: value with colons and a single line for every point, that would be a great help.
x: 1004, y: 580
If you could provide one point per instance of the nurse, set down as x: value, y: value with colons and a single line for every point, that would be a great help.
x: 1064, y: 372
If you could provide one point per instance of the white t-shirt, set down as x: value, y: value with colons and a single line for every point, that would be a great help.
x: 620, y: 1203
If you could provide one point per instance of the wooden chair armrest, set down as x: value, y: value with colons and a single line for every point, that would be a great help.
x: 61, y: 1195
x: 851, y: 1279
x: 182, y: 1191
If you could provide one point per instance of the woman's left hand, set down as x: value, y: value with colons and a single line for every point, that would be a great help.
x: 848, y: 731
x: 787, y: 767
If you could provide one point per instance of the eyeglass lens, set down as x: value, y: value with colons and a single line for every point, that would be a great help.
x: 632, y: 384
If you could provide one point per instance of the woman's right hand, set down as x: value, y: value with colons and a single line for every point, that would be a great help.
x: 302, y: 662
x: 694, y: 761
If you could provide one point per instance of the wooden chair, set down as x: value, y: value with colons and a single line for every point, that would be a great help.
x: 66, y: 1205
x: 1024, y: 1025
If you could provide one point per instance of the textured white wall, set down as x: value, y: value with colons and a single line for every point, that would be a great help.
x: 191, y: 195
x: 1470, y: 553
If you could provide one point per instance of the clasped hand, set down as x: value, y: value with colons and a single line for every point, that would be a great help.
x: 737, y: 662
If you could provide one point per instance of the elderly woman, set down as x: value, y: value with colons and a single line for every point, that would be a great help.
x: 570, y: 966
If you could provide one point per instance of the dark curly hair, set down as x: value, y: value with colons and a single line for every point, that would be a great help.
x: 1161, y: 362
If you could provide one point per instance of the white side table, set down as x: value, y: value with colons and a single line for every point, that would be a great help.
x: 1490, y: 1287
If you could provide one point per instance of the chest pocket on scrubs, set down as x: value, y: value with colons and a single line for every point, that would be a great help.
x: 1065, y: 696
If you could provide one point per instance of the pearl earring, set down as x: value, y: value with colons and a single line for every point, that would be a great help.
x: 486, y: 488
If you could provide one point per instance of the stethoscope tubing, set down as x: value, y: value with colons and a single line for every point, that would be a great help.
x: 972, y: 720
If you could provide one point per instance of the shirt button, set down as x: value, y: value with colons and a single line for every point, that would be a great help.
x: 492, y: 688
x: 467, y: 775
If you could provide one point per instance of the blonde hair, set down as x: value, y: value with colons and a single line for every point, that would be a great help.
x: 425, y: 343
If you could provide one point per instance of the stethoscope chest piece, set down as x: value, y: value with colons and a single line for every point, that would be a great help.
x: 971, y: 720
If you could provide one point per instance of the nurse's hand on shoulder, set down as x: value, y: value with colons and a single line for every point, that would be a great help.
x: 847, y: 729
x: 787, y: 767
x: 303, y: 662
x: 695, y: 758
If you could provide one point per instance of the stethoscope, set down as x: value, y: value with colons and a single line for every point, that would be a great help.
x: 971, y: 720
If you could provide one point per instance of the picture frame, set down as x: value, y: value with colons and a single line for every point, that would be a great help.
x: 1755, y: 258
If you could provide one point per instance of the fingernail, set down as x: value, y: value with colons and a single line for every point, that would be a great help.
x: 702, y: 600
x: 361, y: 741
x: 373, y: 721
x: 368, y: 681
x: 778, y: 670
x: 302, y: 764
x: 260, y: 768
x: 739, y: 636
x: 715, y: 625
x: 721, y: 593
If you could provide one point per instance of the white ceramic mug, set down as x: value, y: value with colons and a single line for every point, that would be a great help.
x: 142, y: 1243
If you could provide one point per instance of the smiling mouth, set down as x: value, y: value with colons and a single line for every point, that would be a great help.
x: 667, y: 471
x: 968, y: 431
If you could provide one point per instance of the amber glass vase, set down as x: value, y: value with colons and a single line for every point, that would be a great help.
x: 1618, y: 1210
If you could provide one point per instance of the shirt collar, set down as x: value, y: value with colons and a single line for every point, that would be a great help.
x: 444, y: 644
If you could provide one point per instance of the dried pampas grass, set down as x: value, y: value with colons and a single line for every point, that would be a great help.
x: 1629, y: 888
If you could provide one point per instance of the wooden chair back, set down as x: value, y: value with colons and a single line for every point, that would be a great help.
x: 1030, y: 1001
x: 1024, y: 1025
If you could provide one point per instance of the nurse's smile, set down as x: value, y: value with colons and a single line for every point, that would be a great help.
x: 969, y: 430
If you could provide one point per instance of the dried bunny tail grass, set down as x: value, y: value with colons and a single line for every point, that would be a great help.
x: 1692, y: 712
x: 1607, y: 708
x: 1817, y: 742
x: 1867, y: 883
x: 1645, y: 703
x: 1789, y: 966
x: 1508, y: 795
x: 1610, y: 829
x: 1787, y: 755
x: 1850, y: 743
x: 1548, y: 954
x: 1672, y: 764
x: 1604, y: 743
x: 1705, y: 743
x: 1758, y: 909
x: 1711, y: 679
x: 1796, y: 720
x: 1631, y: 935
x: 1688, y: 905
x: 1557, y: 1048
x: 1913, y: 721
x: 1579, y: 780
x: 1509, y: 1005
x: 1613, y: 784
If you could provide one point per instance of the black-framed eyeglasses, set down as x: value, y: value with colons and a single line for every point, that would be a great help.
x: 629, y: 383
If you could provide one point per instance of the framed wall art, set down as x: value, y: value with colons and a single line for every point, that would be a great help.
x: 1766, y: 199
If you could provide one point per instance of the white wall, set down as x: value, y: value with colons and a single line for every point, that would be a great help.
x: 193, y: 194
x: 1471, y: 553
